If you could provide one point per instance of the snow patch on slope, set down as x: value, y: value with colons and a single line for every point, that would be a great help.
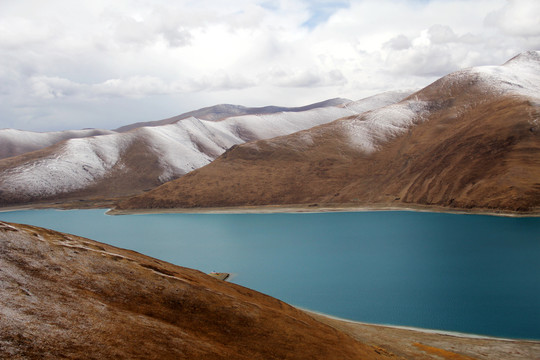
x: 186, y: 145
x: 256, y: 127
x: 377, y: 101
x: 269, y: 126
x: 367, y: 131
x: 79, y: 163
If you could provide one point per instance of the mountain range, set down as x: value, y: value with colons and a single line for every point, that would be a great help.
x: 130, y: 160
x: 470, y: 140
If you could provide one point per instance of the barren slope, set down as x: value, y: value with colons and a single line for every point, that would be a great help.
x: 469, y: 140
x: 68, y: 297
x: 128, y: 163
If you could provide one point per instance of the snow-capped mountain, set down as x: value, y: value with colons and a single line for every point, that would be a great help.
x: 16, y: 142
x: 223, y: 111
x: 145, y: 157
x: 469, y: 140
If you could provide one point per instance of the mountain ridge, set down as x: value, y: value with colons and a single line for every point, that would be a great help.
x: 128, y: 163
x: 469, y: 140
x: 222, y: 111
x: 15, y: 142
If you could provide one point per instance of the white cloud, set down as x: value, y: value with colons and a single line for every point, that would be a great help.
x: 45, y: 87
x: 301, y: 77
x: 59, y: 56
x: 517, y: 17
x: 400, y: 42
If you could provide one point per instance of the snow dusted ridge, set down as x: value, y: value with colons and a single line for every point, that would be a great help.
x: 378, y: 126
x: 180, y: 148
x: 520, y: 75
x: 186, y: 145
x: 15, y: 142
x: 76, y: 164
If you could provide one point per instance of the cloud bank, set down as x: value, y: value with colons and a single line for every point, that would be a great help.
x: 68, y: 64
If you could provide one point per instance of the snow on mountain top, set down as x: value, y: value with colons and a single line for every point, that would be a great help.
x: 520, y: 75
x: 529, y: 57
x: 186, y: 145
x: 78, y: 163
x: 377, y: 101
x: 252, y: 127
x: 15, y: 142
x: 223, y: 111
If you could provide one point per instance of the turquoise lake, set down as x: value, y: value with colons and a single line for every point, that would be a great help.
x: 467, y: 273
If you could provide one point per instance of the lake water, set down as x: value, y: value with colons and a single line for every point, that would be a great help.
x: 467, y: 273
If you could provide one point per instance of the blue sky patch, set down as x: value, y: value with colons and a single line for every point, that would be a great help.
x: 322, y: 10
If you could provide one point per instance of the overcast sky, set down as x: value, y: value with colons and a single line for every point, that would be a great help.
x: 68, y: 64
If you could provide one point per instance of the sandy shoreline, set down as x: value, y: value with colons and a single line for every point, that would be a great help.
x: 417, y: 329
x: 416, y: 343
x: 270, y: 209
x: 108, y: 206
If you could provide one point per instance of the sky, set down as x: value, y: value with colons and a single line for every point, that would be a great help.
x: 71, y: 64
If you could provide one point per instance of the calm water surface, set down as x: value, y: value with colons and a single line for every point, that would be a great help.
x: 468, y: 273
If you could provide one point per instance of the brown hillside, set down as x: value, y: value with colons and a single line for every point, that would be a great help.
x: 72, y: 298
x: 467, y: 145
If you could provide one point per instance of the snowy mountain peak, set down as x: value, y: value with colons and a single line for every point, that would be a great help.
x: 532, y: 56
x: 518, y: 76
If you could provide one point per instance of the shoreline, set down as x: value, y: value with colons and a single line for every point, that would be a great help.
x: 326, y: 208
x: 417, y: 329
x: 108, y: 206
x: 405, y: 342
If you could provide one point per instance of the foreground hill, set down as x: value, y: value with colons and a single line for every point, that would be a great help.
x: 469, y: 140
x: 68, y: 297
x: 127, y: 163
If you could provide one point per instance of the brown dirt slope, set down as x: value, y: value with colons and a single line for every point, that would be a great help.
x: 64, y: 296
x: 470, y: 147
